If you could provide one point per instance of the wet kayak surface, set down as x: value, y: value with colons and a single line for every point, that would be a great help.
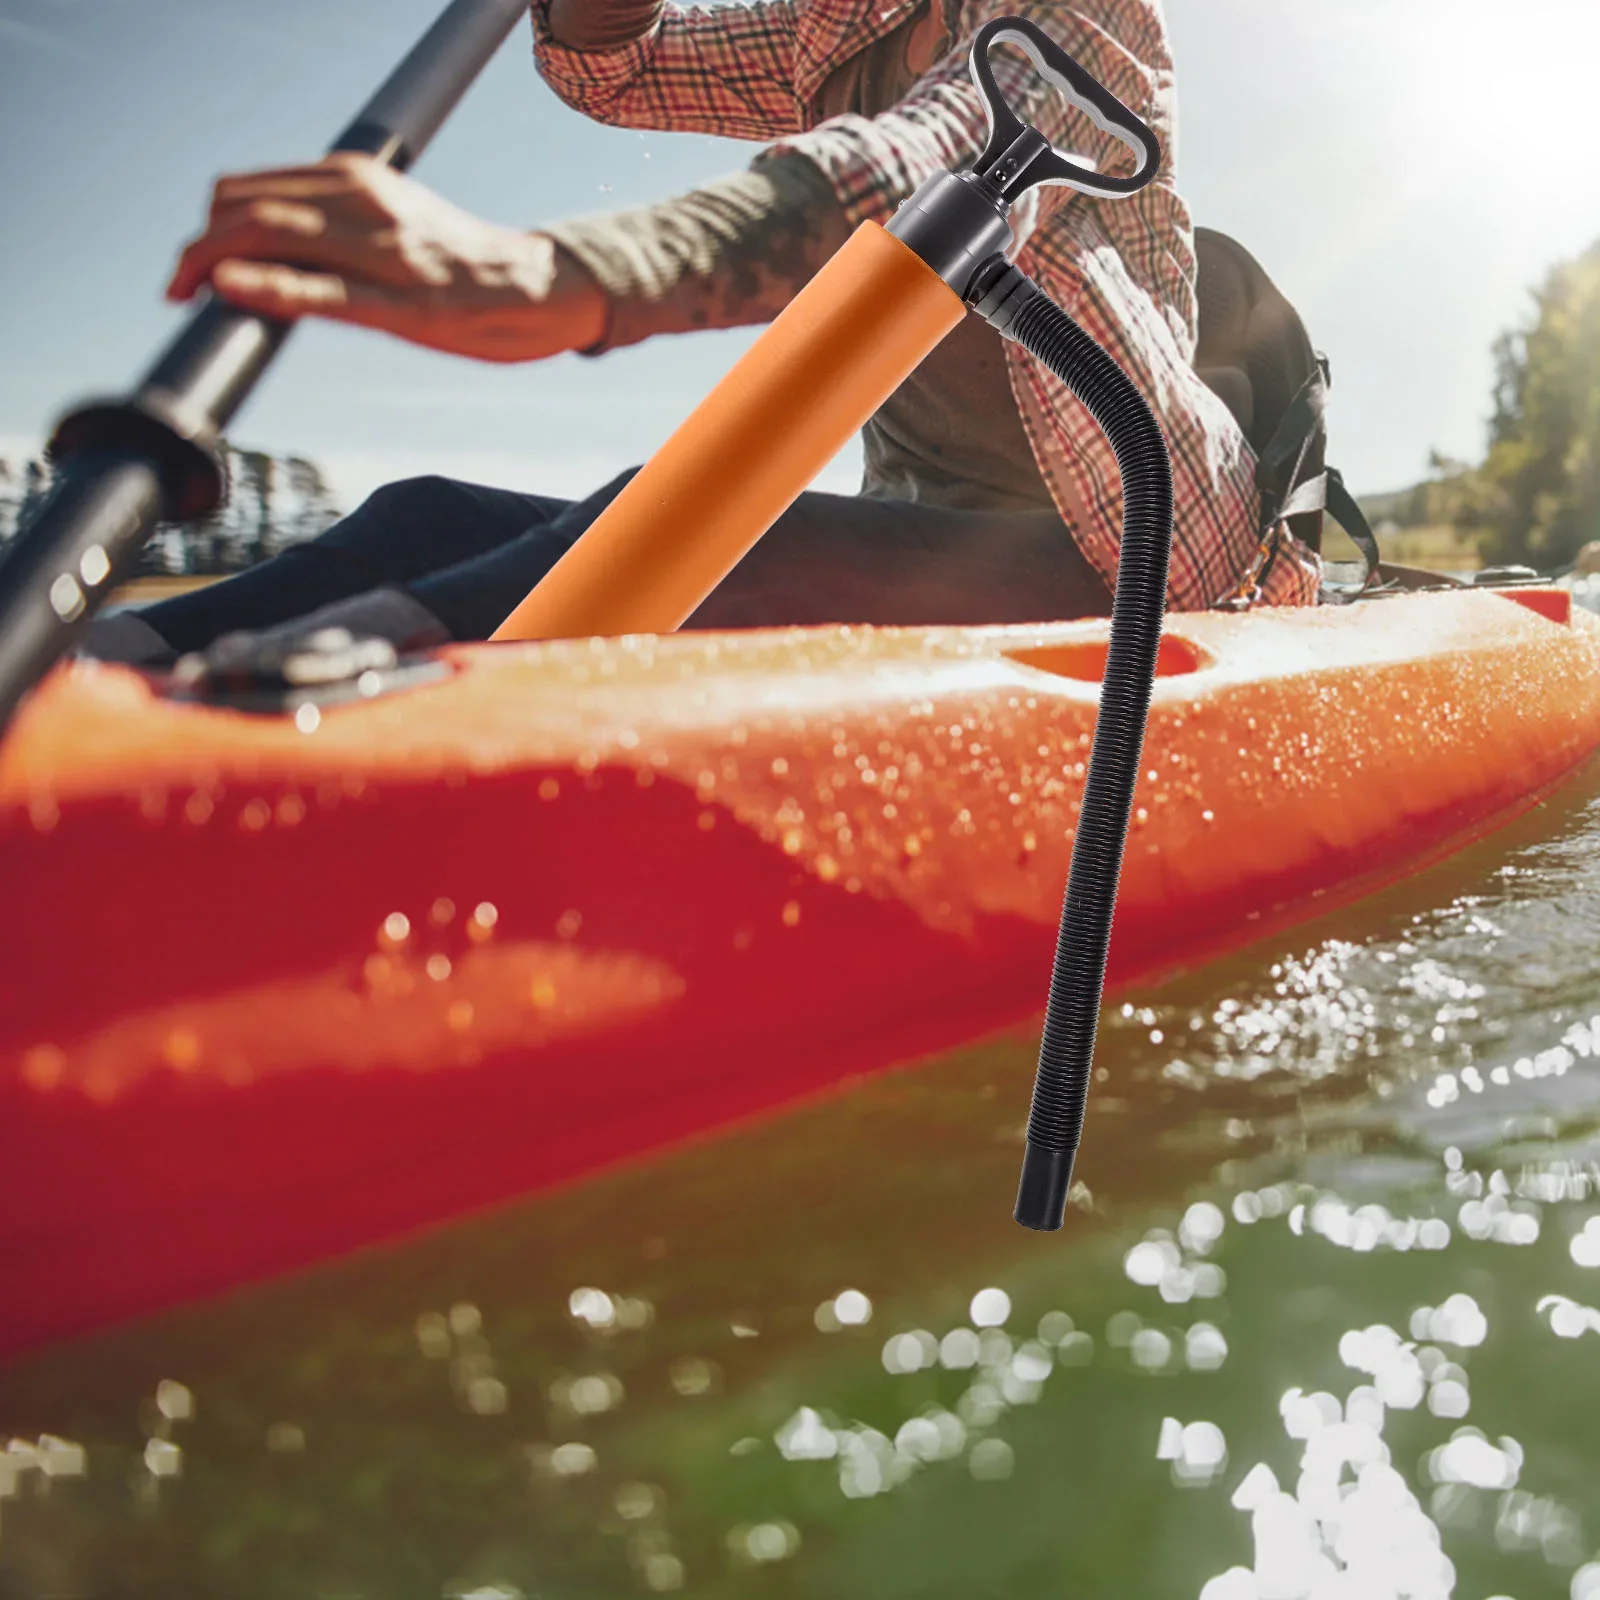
x: 1324, y: 1313
x: 275, y: 992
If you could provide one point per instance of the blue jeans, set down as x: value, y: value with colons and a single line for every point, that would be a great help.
x: 470, y: 553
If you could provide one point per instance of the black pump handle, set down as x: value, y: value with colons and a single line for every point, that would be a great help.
x: 1039, y: 162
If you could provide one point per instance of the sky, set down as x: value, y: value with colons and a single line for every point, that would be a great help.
x: 1405, y: 169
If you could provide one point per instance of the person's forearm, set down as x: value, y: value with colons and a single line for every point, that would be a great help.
x: 602, y: 24
x: 729, y: 254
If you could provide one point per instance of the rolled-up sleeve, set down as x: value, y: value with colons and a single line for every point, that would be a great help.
x: 873, y: 163
x: 725, y: 70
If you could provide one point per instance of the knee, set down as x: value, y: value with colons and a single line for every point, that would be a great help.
x: 575, y: 519
x: 609, y: 492
x: 424, y: 494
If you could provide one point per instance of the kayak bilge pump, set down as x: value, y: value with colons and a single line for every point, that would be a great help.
x: 834, y: 355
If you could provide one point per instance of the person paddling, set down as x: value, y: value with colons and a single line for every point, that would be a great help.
x: 988, y: 494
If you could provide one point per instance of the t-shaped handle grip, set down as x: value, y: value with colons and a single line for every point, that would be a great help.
x: 1017, y: 157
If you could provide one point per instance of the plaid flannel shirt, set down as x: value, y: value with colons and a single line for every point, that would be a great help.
x: 1124, y: 268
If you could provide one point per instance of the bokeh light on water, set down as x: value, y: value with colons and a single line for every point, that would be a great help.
x: 1324, y: 1325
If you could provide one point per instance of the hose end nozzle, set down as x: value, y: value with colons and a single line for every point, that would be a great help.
x: 1042, y: 1194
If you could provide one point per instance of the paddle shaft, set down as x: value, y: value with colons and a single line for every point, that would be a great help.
x: 128, y: 464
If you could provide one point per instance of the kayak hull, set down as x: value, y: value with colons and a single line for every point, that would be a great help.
x: 271, y: 989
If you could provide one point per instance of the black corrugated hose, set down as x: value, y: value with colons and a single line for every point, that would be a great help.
x: 1022, y: 311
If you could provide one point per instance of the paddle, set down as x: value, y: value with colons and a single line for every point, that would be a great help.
x: 126, y: 465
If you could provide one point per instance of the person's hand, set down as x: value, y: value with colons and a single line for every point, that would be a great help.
x: 354, y: 240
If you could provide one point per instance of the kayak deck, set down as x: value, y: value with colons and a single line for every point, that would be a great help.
x: 271, y: 991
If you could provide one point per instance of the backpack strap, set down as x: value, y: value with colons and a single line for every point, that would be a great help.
x: 1290, y: 489
x: 1342, y: 507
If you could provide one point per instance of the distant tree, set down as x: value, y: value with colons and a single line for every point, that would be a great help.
x: 10, y: 500
x: 35, y: 486
x: 272, y: 503
x: 311, y: 504
x: 1536, y: 497
x: 1446, y: 496
x: 250, y: 496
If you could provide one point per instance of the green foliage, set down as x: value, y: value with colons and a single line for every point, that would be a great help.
x: 1429, y: 504
x: 1416, y: 526
x: 1536, y: 497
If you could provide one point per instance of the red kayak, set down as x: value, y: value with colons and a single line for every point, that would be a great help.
x: 277, y: 985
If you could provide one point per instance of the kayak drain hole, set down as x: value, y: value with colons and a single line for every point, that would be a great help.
x: 1087, y: 662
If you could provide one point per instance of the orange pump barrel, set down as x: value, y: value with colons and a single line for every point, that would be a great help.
x: 840, y: 348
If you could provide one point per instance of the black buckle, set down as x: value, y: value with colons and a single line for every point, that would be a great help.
x: 331, y: 667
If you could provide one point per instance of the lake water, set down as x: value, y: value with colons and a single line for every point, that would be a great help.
x: 1321, y: 1324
